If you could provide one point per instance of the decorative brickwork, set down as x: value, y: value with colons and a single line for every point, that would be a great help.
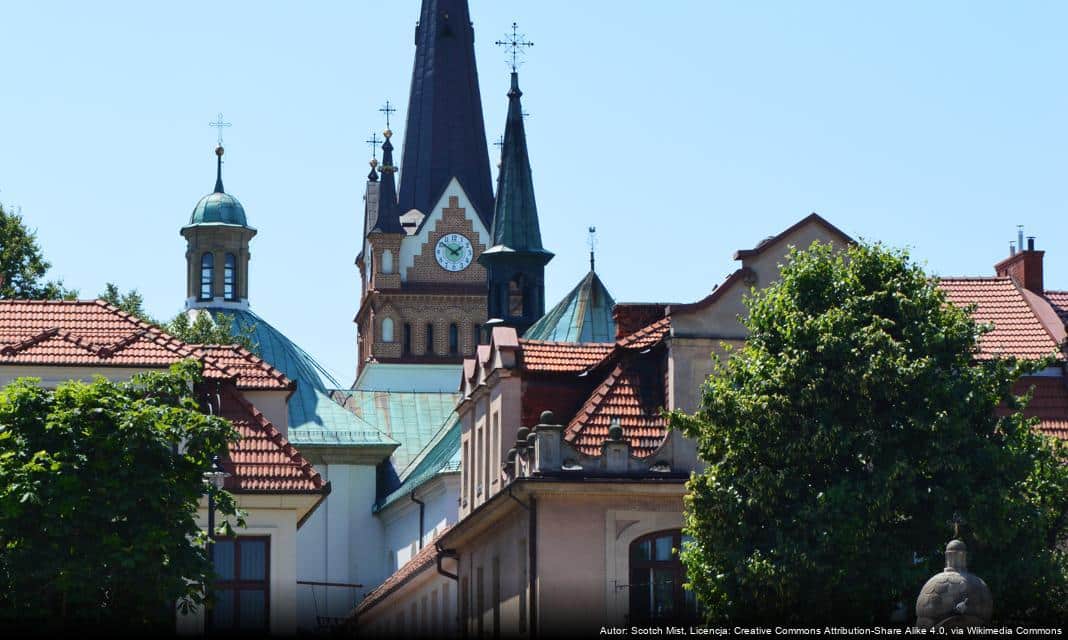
x: 426, y: 268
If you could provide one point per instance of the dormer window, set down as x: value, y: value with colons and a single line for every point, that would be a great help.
x: 207, y: 275
x: 230, y: 277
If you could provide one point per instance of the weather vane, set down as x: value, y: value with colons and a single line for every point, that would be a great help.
x: 515, y: 46
x: 592, y: 241
x: 219, y: 124
x: 374, y: 142
x: 388, y: 110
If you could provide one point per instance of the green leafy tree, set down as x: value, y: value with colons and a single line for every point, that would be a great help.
x: 841, y: 438
x: 205, y: 328
x: 99, y: 484
x: 22, y: 265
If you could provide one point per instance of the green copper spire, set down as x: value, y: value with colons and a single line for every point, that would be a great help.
x: 515, y: 219
x: 584, y: 315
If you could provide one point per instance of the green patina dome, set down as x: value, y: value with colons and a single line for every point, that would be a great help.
x: 219, y: 208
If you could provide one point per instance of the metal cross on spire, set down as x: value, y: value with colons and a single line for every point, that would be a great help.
x: 956, y: 523
x: 374, y: 141
x: 220, y: 124
x: 515, y: 46
x: 388, y: 110
x: 592, y: 241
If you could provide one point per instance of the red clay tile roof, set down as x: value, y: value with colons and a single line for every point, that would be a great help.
x: 426, y: 558
x: 95, y: 334
x: 1059, y: 301
x: 647, y: 336
x: 262, y: 460
x: 624, y: 395
x: 1017, y: 330
x: 1049, y: 404
x: 562, y: 357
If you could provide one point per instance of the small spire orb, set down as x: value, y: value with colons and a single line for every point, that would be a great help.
x: 387, y: 133
x: 374, y: 162
x: 219, y: 151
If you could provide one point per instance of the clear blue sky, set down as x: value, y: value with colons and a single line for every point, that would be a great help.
x: 682, y: 130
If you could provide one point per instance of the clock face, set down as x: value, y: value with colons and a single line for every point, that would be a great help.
x: 454, y: 252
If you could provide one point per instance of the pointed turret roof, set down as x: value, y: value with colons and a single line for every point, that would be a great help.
x: 584, y: 315
x: 388, y: 220
x: 218, y: 207
x: 515, y: 219
x: 445, y: 136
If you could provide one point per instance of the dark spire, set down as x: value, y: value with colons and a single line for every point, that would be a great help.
x: 515, y: 219
x: 388, y: 220
x: 218, y: 171
x: 445, y: 136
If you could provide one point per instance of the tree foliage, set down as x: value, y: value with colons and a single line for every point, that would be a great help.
x: 841, y: 438
x: 99, y: 484
x: 204, y: 328
x: 22, y: 265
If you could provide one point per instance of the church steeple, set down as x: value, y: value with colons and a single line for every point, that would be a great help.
x: 388, y: 220
x: 445, y: 136
x: 516, y: 262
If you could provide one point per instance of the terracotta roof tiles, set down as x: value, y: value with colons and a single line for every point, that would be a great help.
x: 624, y: 395
x: 1017, y: 330
x: 562, y: 357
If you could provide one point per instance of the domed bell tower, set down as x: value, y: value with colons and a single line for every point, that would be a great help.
x: 217, y: 254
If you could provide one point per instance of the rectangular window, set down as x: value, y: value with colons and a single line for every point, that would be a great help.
x: 242, y: 587
x: 429, y: 339
x: 476, y: 337
x: 407, y: 339
x: 465, y: 469
x: 480, y: 451
x: 496, y: 597
x: 495, y: 449
x: 454, y: 339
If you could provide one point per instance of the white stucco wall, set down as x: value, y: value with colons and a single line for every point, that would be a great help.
x: 341, y: 542
x: 401, y: 519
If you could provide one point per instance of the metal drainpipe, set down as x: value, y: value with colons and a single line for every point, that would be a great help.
x: 422, y: 509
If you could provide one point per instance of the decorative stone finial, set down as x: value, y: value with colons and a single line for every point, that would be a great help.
x: 547, y: 417
x: 615, y: 430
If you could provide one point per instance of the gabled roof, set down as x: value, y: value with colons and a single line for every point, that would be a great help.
x: 93, y: 333
x: 263, y: 461
x: 584, y: 315
x: 770, y: 241
x: 1018, y: 329
x: 647, y: 336
x: 634, y: 396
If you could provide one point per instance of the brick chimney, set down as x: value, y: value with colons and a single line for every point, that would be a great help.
x: 1024, y: 266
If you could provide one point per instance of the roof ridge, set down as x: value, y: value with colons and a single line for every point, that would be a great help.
x: 12, y: 349
x: 296, y: 458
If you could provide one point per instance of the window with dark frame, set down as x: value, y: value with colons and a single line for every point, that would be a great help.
x: 207, y: 276
x: 656, y: 578
x: 454, y: 339
x: 429, y: 339
x: 242, y: 585
x: 407, y: 339
x: 229, y: 277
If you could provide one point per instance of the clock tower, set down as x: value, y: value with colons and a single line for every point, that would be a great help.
x: 423, y: 287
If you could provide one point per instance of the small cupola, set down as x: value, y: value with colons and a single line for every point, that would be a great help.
x: 217, y: 249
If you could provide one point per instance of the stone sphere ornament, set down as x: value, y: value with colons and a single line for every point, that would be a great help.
x: 955, y: 598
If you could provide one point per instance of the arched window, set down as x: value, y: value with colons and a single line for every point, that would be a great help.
x: 407, y: 339
x: 387, y: 329
x: 230, y: 277
x: 454, y: 339
x: 656, y: 578
x: 207, y: 276
x: 515, y: 297
x: 429, y: 339
x: 476, y: 336
x: 387, y: 261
